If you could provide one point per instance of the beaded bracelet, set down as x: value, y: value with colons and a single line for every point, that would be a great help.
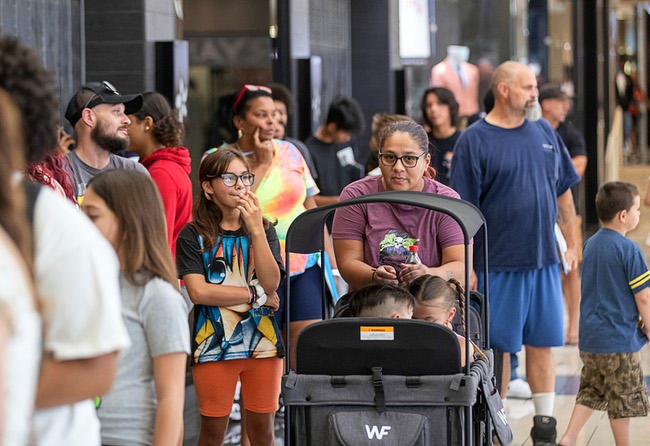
x: 252, y: 295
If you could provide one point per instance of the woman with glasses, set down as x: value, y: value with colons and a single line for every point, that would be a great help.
x: 372, y: 241
x: 440, y: 113
x: 285, y: 189
x: 229, y: 258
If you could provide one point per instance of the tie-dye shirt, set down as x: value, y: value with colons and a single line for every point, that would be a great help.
x: 237, y: 331
x: 282, y: 193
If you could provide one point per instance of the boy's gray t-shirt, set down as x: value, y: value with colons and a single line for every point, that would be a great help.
x: 155, y: 316
x: 82, y: 173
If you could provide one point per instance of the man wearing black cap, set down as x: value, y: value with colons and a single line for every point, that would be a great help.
x: 555, y: 106
x: 98, y: 114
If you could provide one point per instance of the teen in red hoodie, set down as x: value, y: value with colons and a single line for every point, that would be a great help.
x: 156, y: 134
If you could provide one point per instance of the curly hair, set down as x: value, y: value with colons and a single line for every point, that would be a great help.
x: 51, y: 171
x: 33, y: 90
x: 167, y: 129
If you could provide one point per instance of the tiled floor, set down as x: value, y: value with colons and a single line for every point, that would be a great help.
x: 597, y: 431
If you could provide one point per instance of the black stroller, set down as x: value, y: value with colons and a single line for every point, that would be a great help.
x: 385, y: 381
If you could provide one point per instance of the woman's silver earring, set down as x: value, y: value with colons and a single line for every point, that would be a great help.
x: 207, y: 195
x: 240, y: 134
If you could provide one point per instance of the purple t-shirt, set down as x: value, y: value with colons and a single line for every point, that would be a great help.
x: 388, y: 230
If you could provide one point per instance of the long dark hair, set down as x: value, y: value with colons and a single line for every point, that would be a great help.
x: 206, y: 215
x: 167, y: 129
x: 445, y: 96
x: 13, y: 218
x: 142, y: 231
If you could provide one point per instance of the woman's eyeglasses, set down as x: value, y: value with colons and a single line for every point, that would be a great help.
x: 408, y: 161
x: 249, y: 87
x: 230, y: 179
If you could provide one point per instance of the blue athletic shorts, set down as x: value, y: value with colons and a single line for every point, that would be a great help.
x: 306, y: 296
x: 526, y: 308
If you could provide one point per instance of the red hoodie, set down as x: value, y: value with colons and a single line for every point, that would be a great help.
x: 170, y: 169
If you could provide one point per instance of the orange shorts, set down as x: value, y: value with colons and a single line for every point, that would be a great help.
x: 215, y: 384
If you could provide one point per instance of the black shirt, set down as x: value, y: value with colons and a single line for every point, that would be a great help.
x: 336, y: 164
x: 575, y: 144
x: 437, y: 149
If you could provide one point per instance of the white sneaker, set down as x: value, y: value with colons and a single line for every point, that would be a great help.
x: 519, y: 389
x: 235, y: 413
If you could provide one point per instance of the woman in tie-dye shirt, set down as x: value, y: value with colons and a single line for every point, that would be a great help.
x: 285, y: 189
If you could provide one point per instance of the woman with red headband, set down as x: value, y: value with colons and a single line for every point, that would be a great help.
x: 285, y: 190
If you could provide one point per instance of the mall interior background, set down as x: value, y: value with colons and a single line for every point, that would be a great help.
x: 197, y: 50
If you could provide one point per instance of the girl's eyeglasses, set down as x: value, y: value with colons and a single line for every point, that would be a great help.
x: 249, y: 87
x: 230, y: 179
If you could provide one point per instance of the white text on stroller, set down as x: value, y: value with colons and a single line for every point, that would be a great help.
x: 376, y: 432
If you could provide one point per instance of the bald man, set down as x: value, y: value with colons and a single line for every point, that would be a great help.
x: 519, y: 174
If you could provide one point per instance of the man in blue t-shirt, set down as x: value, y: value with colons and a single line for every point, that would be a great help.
x: 615, y: 293
x: 519, y: 174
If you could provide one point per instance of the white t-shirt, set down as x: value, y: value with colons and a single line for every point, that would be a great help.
x: 77, y: 281
x: 23, y: 347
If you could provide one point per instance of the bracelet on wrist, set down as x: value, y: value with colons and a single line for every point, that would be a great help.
x: 372, y: 278
x: 252, y: 292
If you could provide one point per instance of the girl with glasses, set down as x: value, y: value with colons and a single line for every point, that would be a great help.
x: 372, y: 241
x: 229, y: 258
x: 145, y: 404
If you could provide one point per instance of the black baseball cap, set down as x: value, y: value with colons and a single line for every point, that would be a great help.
x: 95, y: 93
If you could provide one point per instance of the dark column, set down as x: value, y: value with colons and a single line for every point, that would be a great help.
x: 373, y: 81
x: 587, y: 103
x: 120, y: 36
x: 538, y: 28
x: 282, y: 46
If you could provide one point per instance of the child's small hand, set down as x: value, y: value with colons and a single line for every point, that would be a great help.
x: 249, y: 207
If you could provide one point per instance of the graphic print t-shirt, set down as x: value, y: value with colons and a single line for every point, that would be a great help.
x: 238, y: 331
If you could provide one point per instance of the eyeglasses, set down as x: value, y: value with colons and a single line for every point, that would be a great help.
x: 408, y: 161
x: 249, y: 87
x: 230, y: 179
x: 103, y: 88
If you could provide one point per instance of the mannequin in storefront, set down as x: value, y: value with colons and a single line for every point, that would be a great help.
x: 459, y: 76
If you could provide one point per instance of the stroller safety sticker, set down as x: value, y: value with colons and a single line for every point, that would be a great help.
x: 377, y: 333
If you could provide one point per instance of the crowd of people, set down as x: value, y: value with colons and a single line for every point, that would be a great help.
x: 115, y: 277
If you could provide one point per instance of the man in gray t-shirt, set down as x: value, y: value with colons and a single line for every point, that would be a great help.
x: 98, y: 114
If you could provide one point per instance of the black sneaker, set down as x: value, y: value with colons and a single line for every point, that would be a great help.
x: 544, y: 431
